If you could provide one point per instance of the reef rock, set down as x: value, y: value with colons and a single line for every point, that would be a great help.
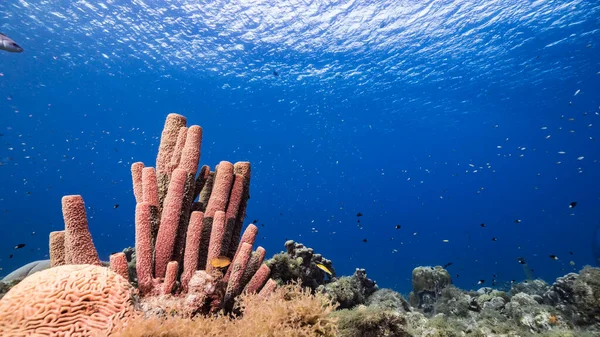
x: 427, y: 284
x: 389, y: 300
x: 530, y: 287
x: 577, y: 296
x: 349, y: 291
x: 300, y: 262
x: 369, y: 321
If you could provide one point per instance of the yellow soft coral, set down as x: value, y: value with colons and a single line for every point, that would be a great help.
x: 69, y: 300
x: 289, y: 312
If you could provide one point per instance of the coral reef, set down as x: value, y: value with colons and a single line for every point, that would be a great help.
x: 194, y: 273
x: 577, y: 296
x: 349, y: 291
x: 531, y: 308
x: 389, y: 300
x: 177, y: 238
x: 427, y: 284
x: 289, y: 311
x: 299, y: 263
x: 369, y: 321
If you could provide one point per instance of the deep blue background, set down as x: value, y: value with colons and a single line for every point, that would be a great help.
x: 396, y: 148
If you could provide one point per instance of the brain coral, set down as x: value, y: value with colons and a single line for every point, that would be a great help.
x: 69, y: 300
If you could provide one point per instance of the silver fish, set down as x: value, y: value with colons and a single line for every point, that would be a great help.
x: 6, y: 43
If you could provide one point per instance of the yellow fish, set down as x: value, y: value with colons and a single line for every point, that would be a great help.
x: 220, y: 262
x: 323, y: 268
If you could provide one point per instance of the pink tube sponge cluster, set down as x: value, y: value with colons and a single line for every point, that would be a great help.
x: 186, y: 219
x: 182, y: 223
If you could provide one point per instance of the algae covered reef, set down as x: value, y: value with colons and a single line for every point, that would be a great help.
x: 195, y: 271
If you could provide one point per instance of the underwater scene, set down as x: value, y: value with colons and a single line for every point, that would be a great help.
x: 299, y: 168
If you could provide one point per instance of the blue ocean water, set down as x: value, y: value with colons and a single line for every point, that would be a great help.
x: 431, y: 116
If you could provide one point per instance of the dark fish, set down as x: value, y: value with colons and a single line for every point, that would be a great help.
x: 359, y: 214
x: 573, y: 204
x: 364, y: 240
x: 262, y: 225
x: 512, y: 281
x: 398, y: 226
x: 19, y: 246
x: 447, y: 265
x: 116, y: 206
x: 275, y: 73
x: 482, y: 225
x: 481, y: 282
x: 517, y: 221
x: 554, y: 257
x: 521, y: 260
x: 10, y: 256
x: 254, y: 221
x: 571, y: 253
x: 494, y: 239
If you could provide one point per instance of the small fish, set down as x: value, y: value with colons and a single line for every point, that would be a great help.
x: 494, y: 239
x: 554, y: 257
x: 482, y: 225
x: 517, y: 221
x: 570, y: 253
x: 365, y: 240
x: 10, y: 256
x: 254, y: 221
x: 116, y: 206
x: 445, y: 240
x: 359, y: 214
x: 220, y: 262
x: 481, y: 282
x: 521, y: 260
x: 573, y: 204
x: 6, y: 43
x: 19, y: 246
x: 323, y: 268
x: 447, y: 265
x: 398, y: 226
x: 275, y: 73
x: 577, y: 92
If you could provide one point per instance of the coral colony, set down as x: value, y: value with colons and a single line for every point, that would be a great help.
x: 192, y: 275
x: 176, y: 238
